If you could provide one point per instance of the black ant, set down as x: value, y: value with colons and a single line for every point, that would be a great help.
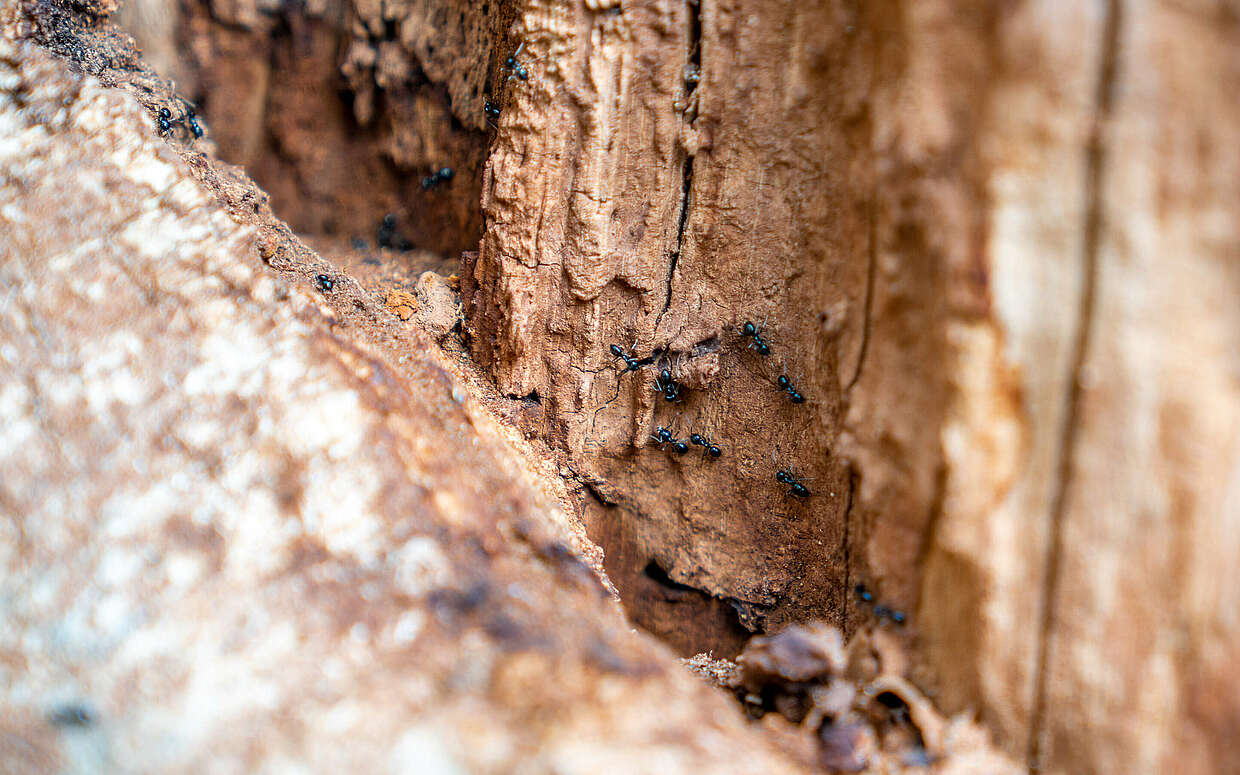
x: 191, y: 118
x: 72, y: 715
x: 786, y: 384
x: 668, y: 386
x: 632, y: 362
x: 324, y: 282
x: 708, y: 447
x: 491, y: 110
x: 880, y: 611
x: 166, y: 122
x: 664, y: 436
x: 441, y: 175
x: 387, y: 237
x: 514, y: 66
x: 797, y: 489
x: 749, y: 329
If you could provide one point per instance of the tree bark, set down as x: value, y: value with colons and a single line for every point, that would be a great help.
x: 249, y: 522
x: 994, y: 246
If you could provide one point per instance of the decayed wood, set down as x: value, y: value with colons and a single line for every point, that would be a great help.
x: 251, y: 525
x: 994, y: 244
x: 1035, y: 205
x: 659, y: 182
x: 269, y: 83
x: 1092, y: 443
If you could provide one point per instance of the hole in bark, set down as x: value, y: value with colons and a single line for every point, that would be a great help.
x: 339, y: 128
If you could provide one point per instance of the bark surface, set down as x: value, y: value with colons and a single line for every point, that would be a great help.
x: 995, y: 246
x: 253, y: 525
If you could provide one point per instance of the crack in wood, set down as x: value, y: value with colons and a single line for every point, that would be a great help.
x: 868, y: 312
x: 847, y: 549
x: 694, y: 60
x: 1096, y: 157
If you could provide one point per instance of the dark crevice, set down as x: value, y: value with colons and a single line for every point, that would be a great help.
x: 1096, y: 158
x: 847, y: 549
x: 680, y: 236
x: 694, y: 42
x: 655, y: 572
x: 598, y: 495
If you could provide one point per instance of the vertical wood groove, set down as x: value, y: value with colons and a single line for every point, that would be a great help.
x: 1096, y: 158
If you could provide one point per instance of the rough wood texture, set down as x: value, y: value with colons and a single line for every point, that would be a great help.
x: 250, y: 526
x: 269, y: 81
x: 994, y: 243
x: 626, y: 203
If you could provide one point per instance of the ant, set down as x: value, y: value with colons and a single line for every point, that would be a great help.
x: 797, y: 489
x: 441, y: 175
x: 664, y: 436
x: 491, y: 110
x: 880, y: 611
x: 632, y: 362
x: 749, y: 329
x: 514, y: 66
x: 388, y: 237
x: 192, y: 119
x: 786, y: 384
x: 708, y: 447
x: 669, y: 387
x: 324, y: 282
x: 72, y: 715
x: 166, y: 122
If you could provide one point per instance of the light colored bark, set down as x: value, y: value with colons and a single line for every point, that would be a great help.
x: 1085, y: 559
x: 245, y: 532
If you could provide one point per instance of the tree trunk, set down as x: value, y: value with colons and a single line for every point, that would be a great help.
x: 993, y: 245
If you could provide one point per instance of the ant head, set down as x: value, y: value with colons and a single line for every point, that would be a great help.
x: 165, y: 113
x: 748, y: 329
x: 697, y: 439
x: 616, y: 351
x: 782, y: 381
x: 783, y: 477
